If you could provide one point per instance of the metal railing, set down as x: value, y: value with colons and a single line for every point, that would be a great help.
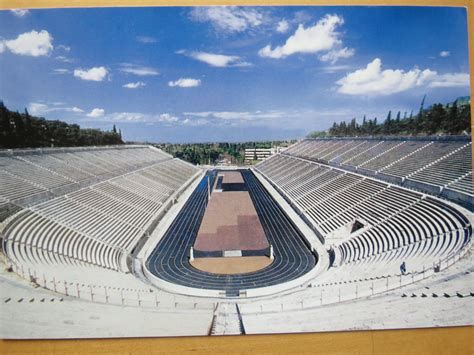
x: 136, y: 297
x: 354, y: 289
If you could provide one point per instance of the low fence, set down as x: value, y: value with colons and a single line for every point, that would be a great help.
x: 352, y: 290
x: 123, y: 296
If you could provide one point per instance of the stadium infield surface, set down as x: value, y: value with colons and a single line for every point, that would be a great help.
x: 170, y: 258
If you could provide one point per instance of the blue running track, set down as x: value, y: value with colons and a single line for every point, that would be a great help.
x: 170, y: 258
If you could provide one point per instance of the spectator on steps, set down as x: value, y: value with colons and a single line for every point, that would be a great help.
x: 403, y: 268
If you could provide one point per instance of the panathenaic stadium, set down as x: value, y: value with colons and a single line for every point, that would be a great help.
x: 330, y: 234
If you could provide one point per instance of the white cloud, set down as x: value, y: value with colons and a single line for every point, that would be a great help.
x: 137, y: 85
x: 138, y: 70
x: 19, y: 12
x: 318, y: 38
x: 2, y: 47
x: 185, y: 83
x: 92, y: 74
x: 238, y: 115
x: 198, y: 122
x: 97, y: 112
x: 64, y: 48
x: 61, y: 71
x: 450, y: 80
x: 64, y: 59
x: 334, y: 68
x: 282, y: 26
x: 146, y: 39
x: 334, y: 55
x: 126, y: 117
x: 217, y: 60
x: 374, y: 81
x: 135, y: 117
x: 166, y: 117
x: 228, y: 19
x: 39, y: 108
x: 444, y: 54
x: 32, y: 43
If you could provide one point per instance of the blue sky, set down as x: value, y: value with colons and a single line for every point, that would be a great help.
x: 230, y: 73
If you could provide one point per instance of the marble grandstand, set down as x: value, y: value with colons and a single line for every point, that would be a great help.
x: 104, y: 230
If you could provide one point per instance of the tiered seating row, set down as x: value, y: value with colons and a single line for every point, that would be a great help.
x: 445, y: 171
x: 464, y: 184
x: 421, y: 158
x: 395, y: 219
x: 423, y: 164
x: 391, y: 156
x: 98, y: 224
x: 13, y: 187
x: 34, y: 239
x: 7, y: 209
x: 331, y: 197
x: 423, y: 229
x: 56, y: 169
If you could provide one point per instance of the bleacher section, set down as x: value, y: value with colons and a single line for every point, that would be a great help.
x: 440, y: 166
x: 28, y: 176
x: 393, y: 223
x: 114, y: 194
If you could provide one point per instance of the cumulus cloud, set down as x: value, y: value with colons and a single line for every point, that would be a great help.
x: 146, y: 39
x: 19, y: 12
x: 185, y: 83
x: 318, y: 38
x: 228, y: 19
x: 34, y: 44
x: 137, y: 85
x: 97, y: 112
x: 138, y: 70
x: 217, y: 60
x: 282, y: 26
x: 372, y: 80
x: 92, y: 74
x: 334, y: 55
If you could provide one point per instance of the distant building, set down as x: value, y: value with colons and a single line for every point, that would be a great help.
x: 252, y: 154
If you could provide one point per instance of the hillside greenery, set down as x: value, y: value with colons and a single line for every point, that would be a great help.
x: 21, y: 130
x: 212, y: 153
x: 451, y: 119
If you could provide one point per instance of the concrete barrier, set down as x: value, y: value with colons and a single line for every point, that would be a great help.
x: 464, y: 200
x: 421, y: 186
x: 390, y: 178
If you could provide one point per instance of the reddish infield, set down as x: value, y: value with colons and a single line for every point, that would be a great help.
x: 231, y: 222
x: 231, y: 265
x: 232, y: 177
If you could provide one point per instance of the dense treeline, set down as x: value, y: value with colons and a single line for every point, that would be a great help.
x: 212, y: 153
x: 451, y: 119
x: 21, y: 130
